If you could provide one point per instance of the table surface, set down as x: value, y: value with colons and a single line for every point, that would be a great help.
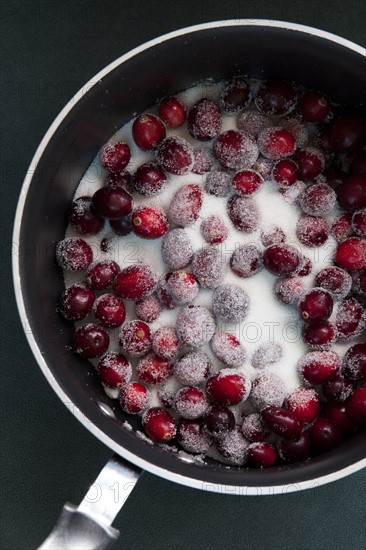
x: 49, y: 50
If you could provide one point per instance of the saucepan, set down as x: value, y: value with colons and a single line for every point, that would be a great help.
x: 164, y: 66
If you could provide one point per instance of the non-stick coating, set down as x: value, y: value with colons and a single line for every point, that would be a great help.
x: 131, y: 87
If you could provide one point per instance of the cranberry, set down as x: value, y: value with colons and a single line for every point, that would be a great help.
x: 191, y: 436
x: 334, y: 177
x: 233, y: 447
x: 203, y: 160
x: 359, y: 222
x: 186, y: 204
x: 176, y: 250
x: 227, y: 387
x: 159, y: 425
x: 320, y: 336
x: 135, y: 282
x: 114, y: 157
x: 291, y: 194
x: 295, y: 124
x: 114, y: 370
x: 204, y: 120
x: 163, y: 292
x: 314, y: 106
x: 264, y: 167
x: 351, y: 194
x: 356, y: 407
x: 334, y: 279
x: 341, y: 227
x: 195, y: 326
x: 112, y: 203
x: 218, y: 183
x: 316, y: 305
x: 247, y: 182
x: 337, y: 414
x: 312, y: 231
x: 304, y: 402
x: 323, y: 139
x: 244, y: 214
x: 252, y: 122
x: 134, y: 398
x: 90, y: 341
x: 317, y: 200
x: 235, y: 149
x: 135, y: 338
x: 109, y: 311
x: 351, y: 254
x: 123, y: 226
x: 149, y: 222
x: 73, y: 254
x: 358, y: 165
x: 305, y: 267
x: 325, y: 434
x: 289, y: 291
x: 267, y: 389
x: 182, y: 287
x: 165, y: 343
x: 285, y: 172
x: 101, y: 275
x: 276, y: 143
x: 153, y: 370
x: 148, y: 131
x: 193, y: 368
x: 281, y: 259
x: 230, y: 303
x: 148, y: 309
x: 295, y: 450
x: 349, y: 132
x: 310, y: 163
x: 83, y: 217
x: 235, y: 96
x: 262, y: 454
x: 219, y: 420
x: 190, y: 402
x: 175, y: 155
x: 120, y: 179
x: 76, y: 302
x: 282, y: 422
x: 276, y: 97
x: 214, y: 230
x: 246, y: 260
x: 359, y: 283
x: 274, y: 235
x: 266, y: 354
x: 172, y: 111
x: 209, y: 266
x: 253, y: 427
x: 350, y: 318
x: 149, y: 179
x: 228, y: 349
x: 354, y: 366
x: 337, y: 389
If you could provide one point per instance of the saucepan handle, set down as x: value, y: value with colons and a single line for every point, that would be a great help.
x: 88, y: 526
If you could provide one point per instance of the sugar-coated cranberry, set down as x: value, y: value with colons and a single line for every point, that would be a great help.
x: 90, y: 341
x: 247, y: 182
x: 312, y: 231
x: 84, y: 218
x: 182, y: 287
x: 318, y: 367
x: 356, y: 407
x: 193, y: 368
x: 135, y: 338
x: 285, y: 172
x: 310, y: 162
x: 316, y: 305
x: 192, y: 437
x: 336, y: 280
x: 149, y: 179
x: 233, y: 447
x: 74, y: 254
x: 262, y: 454
x: 351, y: 254
x: 214, y: 230
x: 336, y: 412
x: 109, y: 311
x: 190, y: 402
x: 112, y: 203
x: 359, y: 283
x: 291, y: 194
x: 338, y: 389
x: 295, y: 450
x: 165, y: 343
x: 218, y: 183
x: 203, y: 160
x: 325, y: 434
x: 359, y: 222
x: 148, y: 131
x: 289, y: 291
x: 304, y: 402
x: 351, y: 194
x: 186, y: 204
x: 227, y: 387
x: 281, y: 259
x: 314, y: 106
x: 175, y: 155
x: 253, y: 428
x: 235, y: 149
x: 264, y: 167
x: 350, y: 318
x: 172, y: 111
x: 149, y: 222
x: 148, y: 309
x: 358, y: 164
x: 235, y: 96
x: 163, y: 292
x: 320, y: 336
x: 135, y: 282
x: 244, y: 214
x: 159, y: 425
x: 349, y: 132
x: 120, y: 179
x: 219, y: 421
x: 209, y: 266
x: 246, y: 260
x: 341, y: 228
x: 204, y: 120
x: 276, y: 97
x: 268, y: 389
x: 195, y: 326
x: 228, y: 349
x: 266, y: 354
x: 176, y: 249
x: 305, y: 267
x: 317, y: 199
x: 354, y: 365
x: 272, y: 235
x: 114, y: 370
x: 114, y: 157
x: 76, y: 302
x: 230, y: 303
x: 101, y: 275
x: 276, y: 143
x: 153, y: 370
x: 295, y: 124
x: 252, y: 122
x: 134, y: 398
x: 282, y: 422
x: 122, y: 226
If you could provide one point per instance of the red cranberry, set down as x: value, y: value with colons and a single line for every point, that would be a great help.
x: 253, y: 428
x: 83, y: 217
x: 230, y: 303
x: 341, y: 227
x: 175, y: 155
x: 285, y: 172
x: 235, y: 96
x: 351, y: 194
x: 276, y: 97
x: 149, y: 222
x: 310, y: 163
x: 123, y: 226
x: 193, y: 368
x: 73, y: 254
x: 203, y: 160
x: 148, y: 309
x: 349, y: 133
x: 317, y: 200
x: 358, y: 165
x: 76, y: 302
x: 186, y: 204
x: 112, y: 203
x: 325, y: 434
x: 320, y: 336
x: 227, y: 387
x: 337, y: 389
x: 314, y: 106
x: 114, y: 157
x: 356, y: 407
x: 334, y: 177
x: 252, y: 122
x: 267, y: 389
x: 120, y: 179
x: 204, y: 120
x: 219, y: 421
x: 337, y: 414
x: 228, y: 349
x: 244, y: 214
x: 90, y: 341
x: 109, y: 311
x: 165, y: 343
x: 209, y: 266
x: 316, y: 305
x: 148, y: 131
x: 135, y: 338
x: 276, y: 143
x: 114, y: 370
x: 195, y: 326
x: 350, y: 318
x: 235, y: 149
x: 323, y: 139
x: 304, y: 402
x: 214, y: 230
x: 191, y: 436
x: 282, y: 422
x: 351, y: 254
x: 354, y: 366
x: 246, y: 260
x: 274, y: 235
x: 262, y: 455
x: 190, y: 402
x: 135, y: 282
x: 247, y: 182
x: 149, y: 179
x: 172, y: 111
x: 305, y: 267
x: 359, y: 222
x: 312, y: 231
x: 134, y: 398
x: 182, y: 287
x: 233, y: 447
x: 281, y: 259
x: 218, y: 183
x: 334, y: 279
x: 176, y: 250
x: 159, y: 425
x: 295, y: 450
x: 153, y: 370
x: 102, y: 274
x: 289, y: 291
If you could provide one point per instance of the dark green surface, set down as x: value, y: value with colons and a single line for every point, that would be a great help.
x: 49, y: 50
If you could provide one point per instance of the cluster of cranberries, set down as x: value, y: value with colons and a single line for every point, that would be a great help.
x: 271, y: 141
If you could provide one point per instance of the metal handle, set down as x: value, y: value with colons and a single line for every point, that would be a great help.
x: 88, y: 526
